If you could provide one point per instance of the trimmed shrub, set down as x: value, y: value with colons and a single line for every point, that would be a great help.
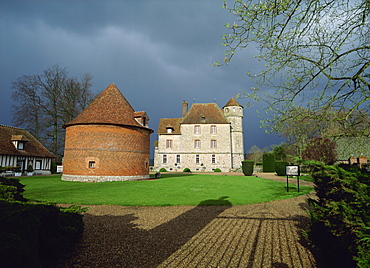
x: 53, y: 168
x: 340, y: 217
x: 30, y: 168
x: 11, y: 190
x: 247, y: 166
x: 217, y: 170
x: 280, y: 167
x: 186, y: 170
x: 35, y: 235
x: 268, y: 160
x: 162, y: 170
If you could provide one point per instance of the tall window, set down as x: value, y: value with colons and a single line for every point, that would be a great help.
x: 178, y: 159
x: 168, y: 143
x: 197, y: 144
x: 196, y: 129
x: 213, y: 144
x: 213, y: 129
x: 38, y: 164
x: 197, y: 159
x: 164, y: 159
x: 213, y: 159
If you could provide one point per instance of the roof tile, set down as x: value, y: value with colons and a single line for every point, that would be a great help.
x: 204, y: 113
x: 232, y: 102
x: 110, y: 107
x: 32, y: 146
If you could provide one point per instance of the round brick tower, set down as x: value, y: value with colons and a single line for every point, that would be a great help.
x: 108, y: 141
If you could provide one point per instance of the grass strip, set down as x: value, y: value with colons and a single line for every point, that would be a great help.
x: 169, y: 190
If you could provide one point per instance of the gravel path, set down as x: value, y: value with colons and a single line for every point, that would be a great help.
x: 257, y: 235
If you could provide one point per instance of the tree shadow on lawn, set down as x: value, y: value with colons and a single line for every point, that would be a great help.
x: 171, y: 175
x: 115, y: 241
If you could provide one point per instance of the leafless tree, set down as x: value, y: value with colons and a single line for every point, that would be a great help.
x: 47, y: 101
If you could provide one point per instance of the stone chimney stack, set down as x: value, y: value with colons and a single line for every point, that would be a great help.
x: 184, y: 108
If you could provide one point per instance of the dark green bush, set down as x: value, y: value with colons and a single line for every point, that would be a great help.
x: 29, y: 168
x: 186, y: 170
x: 162, y: 170
x: 247, y: 166
x: 217, y: 170
x: 35, y: 235
x: 340, y: 219
x: 280, y: 168
x: 11, y: 189
x: 268, y: 160
x: 53, y: 168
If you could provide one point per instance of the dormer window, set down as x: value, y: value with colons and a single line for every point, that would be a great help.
x: 19, y: 141
x: 20, y: 145
x: 169, y: 130
x: 141, y: 118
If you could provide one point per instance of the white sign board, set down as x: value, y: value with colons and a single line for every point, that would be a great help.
x: 292, y: 170
x: 59, y: 169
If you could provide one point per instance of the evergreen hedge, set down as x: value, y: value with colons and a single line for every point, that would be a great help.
x: 340, y: 219
x: 11, y: 189
x: 280, y: 168
x: 268, y: 161
x: 247, y: 166
x: 34, y: 235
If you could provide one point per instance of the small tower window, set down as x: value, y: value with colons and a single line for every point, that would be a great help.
x: 91, y: 164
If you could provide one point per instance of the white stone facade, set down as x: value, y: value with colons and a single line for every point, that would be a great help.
x: 205, y: 139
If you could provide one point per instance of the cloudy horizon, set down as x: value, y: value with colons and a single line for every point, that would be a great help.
x: 158, y: 53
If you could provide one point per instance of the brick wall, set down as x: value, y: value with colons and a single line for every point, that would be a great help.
x: 106, y: 150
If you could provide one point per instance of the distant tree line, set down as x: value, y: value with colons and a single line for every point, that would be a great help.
x: 309, y: 138
x: 45, y: 102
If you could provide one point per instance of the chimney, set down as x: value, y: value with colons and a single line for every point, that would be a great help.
x: 184, y: 108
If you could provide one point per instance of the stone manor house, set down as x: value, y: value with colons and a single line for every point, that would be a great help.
x: 203, y: 139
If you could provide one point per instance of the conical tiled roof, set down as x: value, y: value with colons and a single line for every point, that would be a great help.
x: 232, y: 102
x: 110, y: 107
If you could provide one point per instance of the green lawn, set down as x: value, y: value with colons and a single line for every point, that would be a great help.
x: 170, y: 189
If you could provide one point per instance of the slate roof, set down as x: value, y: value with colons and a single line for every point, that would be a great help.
x: 32, y: 146
x: 232, y: 102
x: 173, y: 123
x: 204, y: 113
x: 110, y: 107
